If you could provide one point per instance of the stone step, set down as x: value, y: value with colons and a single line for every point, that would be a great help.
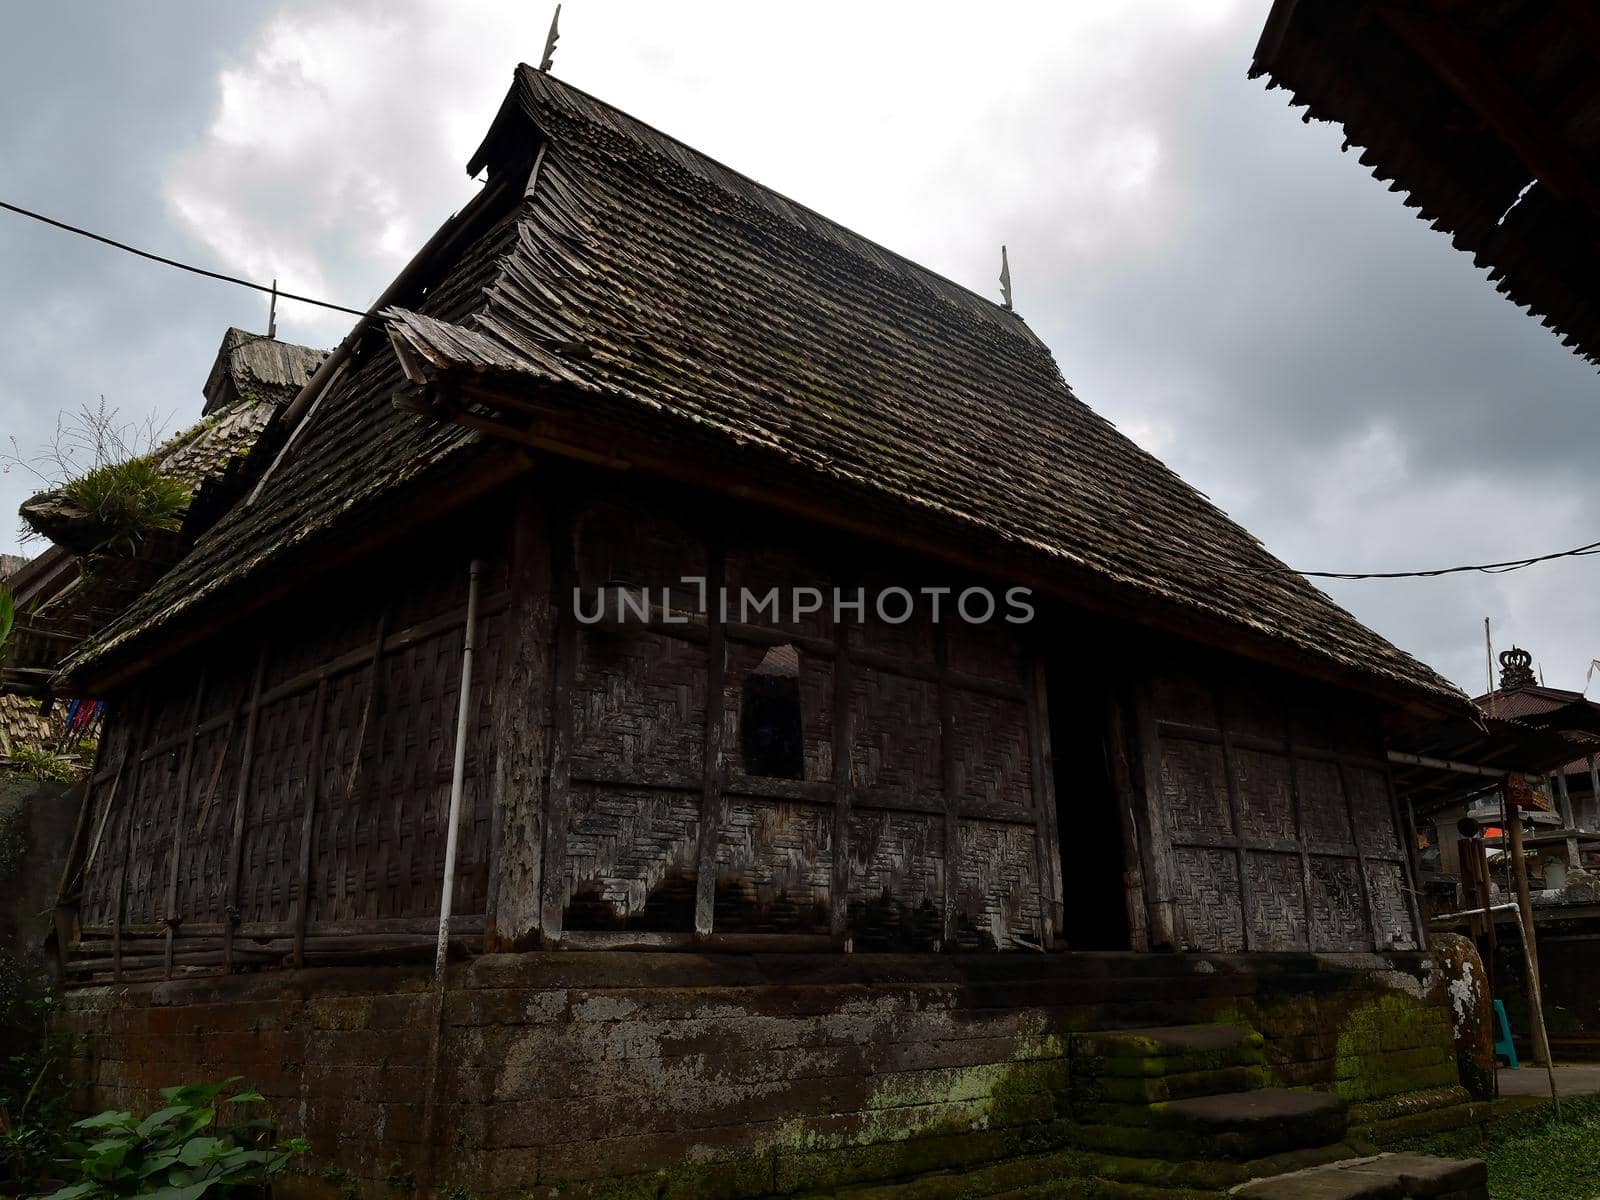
x: 1164, y: 1050
x: 1255, y: 1123
x: 1231, y: 1126
x: 1091, y: 1091
x: 1384, y: 1177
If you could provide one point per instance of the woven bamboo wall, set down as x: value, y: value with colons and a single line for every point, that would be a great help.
x: 1274, y: 821
x: 916, y: 821
x: 282, y: 793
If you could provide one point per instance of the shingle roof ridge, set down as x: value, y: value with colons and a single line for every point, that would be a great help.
x: 543, y: 85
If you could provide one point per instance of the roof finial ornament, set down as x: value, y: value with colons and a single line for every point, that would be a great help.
x: 1516, y: 669
x: 550, y: 41
x: 1005, y: 278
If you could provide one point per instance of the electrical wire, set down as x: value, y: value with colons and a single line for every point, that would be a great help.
x: 1493, y: 568
x: 182, y: 266
x: 1217, y: 565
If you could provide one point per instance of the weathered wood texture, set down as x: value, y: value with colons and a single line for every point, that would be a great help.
x: 668, y: 829
x: 1277, y: 826
x: 308, y: 799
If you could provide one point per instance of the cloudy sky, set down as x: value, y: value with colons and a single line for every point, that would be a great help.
x: 1214, y: 275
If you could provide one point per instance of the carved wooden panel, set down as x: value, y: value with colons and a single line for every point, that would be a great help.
x: 1207, y: 883
x: 774, y: 867
x: 631, y: 858
x: 998, y: 886
x: 896, y: 880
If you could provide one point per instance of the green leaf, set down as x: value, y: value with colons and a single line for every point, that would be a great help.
x: 201, y: 1149
x: 74, y: 1191
x: 191, y: 1192
x: 250, y: 1097
x: 157, y: 1119
x: 102, y: 1120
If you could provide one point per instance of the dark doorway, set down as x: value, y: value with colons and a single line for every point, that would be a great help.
x: 1095, y: 906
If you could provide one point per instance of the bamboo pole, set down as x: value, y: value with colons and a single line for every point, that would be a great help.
x: 1530, y: 942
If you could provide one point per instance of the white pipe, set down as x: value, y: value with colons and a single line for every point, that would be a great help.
x: 457, y: 776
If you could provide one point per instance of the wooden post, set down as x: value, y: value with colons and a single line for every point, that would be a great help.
x: 521, y: 716
x: 1235, y: 825
x: 843, y: 791
x: 130, y: 806
x: 169, y: 908
x: 308, y: 824
x: 1361, y: 856
x: 1128, y: 801
x: 1536, y: 1035
x: 1047, y: 840
x: 952, y: 788
x: 230, y: 912
x: 558, y: 796
x: 712, y: 765
x: 1166, y: 917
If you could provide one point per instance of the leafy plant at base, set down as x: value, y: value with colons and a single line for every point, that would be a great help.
x: 35, y: 1087
x: 177, y: 1152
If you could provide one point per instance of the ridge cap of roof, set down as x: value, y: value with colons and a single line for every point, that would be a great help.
x: 536, y: 81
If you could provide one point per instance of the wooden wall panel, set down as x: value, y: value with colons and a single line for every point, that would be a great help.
x: 897, y: 880
x: 993, y: 758
x: 638, y: 704
x: 774, y: 867
x: 630, y: 861
x: 1278, y: 824
x: 999, y: 886
x: 895, y: 747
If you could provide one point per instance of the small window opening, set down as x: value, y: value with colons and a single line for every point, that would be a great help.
x: 769, y: 717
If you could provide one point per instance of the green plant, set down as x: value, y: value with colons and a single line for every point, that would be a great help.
x: 176, y: 1153
x: 127, y: 500
x: 35, y: 1089
x: 34, y: 763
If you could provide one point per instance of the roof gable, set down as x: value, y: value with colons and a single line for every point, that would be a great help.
x: 671, y: 292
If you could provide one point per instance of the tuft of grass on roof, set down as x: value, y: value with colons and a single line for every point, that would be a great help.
x: 128, y: 500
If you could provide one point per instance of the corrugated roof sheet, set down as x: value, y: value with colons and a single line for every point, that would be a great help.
x: 641, y: 273
x: 1344, y: 62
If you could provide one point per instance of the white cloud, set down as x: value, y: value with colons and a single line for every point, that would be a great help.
x: 1214, y: 276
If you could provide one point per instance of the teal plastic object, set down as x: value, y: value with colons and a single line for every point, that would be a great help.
x: 1503, y: 1046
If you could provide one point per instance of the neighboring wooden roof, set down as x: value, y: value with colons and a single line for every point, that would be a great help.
x: 1485, y: 116
x: 252, y: 366
x: 251, y: 379
x: 23, y: 726
x: 654, y: 292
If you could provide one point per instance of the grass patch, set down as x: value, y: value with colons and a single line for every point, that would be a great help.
x: 1549, y: 1161
x: 128, y: 499
x: 33, y: 763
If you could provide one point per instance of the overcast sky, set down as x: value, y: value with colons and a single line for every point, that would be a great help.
x: 1213, y: 275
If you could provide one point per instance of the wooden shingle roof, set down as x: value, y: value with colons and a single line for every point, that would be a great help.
x: 643, y: 287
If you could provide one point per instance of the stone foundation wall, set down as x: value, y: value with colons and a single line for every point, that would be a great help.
x: 682, y: 1074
